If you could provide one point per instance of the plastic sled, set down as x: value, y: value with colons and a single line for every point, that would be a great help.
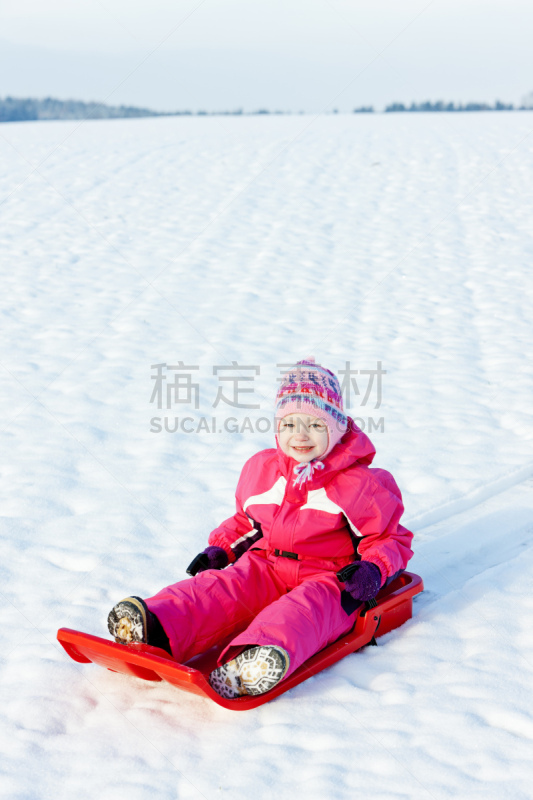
x: 394, y: 606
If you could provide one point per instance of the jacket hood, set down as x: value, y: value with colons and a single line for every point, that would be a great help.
x: 354, y: 448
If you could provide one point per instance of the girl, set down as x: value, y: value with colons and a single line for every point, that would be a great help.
x: 305, y: 510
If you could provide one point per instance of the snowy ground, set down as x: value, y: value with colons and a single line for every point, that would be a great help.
x: 400, y: 239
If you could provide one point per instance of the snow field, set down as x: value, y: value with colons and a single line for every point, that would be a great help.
x: 404, y: 239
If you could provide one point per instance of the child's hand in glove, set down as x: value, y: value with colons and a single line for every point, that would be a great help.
x: 361, y: 579
x: 211, y: 558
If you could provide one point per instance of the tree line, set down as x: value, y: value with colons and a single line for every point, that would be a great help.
x: 15, y: 109
x: 440, y: 105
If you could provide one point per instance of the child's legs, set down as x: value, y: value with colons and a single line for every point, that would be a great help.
x: 202, y: 611
x: 311, y: 616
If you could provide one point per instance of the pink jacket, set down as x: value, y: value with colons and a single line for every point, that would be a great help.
x: 343, y: 512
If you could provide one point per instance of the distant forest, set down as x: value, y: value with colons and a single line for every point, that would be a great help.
x: 14, y: 109
x: 441, y: 106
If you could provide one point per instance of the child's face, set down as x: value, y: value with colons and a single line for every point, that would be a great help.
x: 302, y: 437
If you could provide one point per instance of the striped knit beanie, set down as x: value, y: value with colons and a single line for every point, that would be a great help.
x: 308, y: 388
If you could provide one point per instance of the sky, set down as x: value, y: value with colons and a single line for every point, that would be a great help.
x: 291, y: 55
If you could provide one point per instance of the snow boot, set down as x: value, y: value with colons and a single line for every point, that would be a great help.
x: 132, y: 621
x: 255, y: 671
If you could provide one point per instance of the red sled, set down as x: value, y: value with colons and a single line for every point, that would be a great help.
x: 393, y: 607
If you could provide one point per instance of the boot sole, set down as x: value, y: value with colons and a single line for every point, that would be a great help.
x: 127, y: 621
x: 255, y: 671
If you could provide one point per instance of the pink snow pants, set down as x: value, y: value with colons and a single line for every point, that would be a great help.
x: 260, y: 600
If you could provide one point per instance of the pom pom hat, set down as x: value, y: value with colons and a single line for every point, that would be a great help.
x: 308, y: 388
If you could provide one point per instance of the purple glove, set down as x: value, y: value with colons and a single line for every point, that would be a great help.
x: 361, y: 579
x: 211, y: 558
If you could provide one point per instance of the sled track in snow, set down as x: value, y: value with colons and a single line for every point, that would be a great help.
x: 472, y: 499
x: 475, y: 537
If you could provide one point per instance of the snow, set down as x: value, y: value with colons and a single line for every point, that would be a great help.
x: 400, y: 239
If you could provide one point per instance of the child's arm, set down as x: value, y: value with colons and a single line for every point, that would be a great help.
x: 225, y: 544
x: 376, y: 515
x: 235, y: 535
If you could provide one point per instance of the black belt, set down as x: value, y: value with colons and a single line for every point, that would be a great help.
x: 286, y: 554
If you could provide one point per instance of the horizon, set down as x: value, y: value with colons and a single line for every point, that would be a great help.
x: 427, y: 106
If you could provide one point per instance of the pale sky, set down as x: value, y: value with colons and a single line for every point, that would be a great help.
x: 294, y: 55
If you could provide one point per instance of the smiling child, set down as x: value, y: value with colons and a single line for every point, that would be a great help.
x: 267, y: 584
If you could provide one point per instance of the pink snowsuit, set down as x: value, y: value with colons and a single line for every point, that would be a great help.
x: 288, y: 539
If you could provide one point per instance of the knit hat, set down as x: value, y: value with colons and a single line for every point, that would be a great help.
x: 308, y: 388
